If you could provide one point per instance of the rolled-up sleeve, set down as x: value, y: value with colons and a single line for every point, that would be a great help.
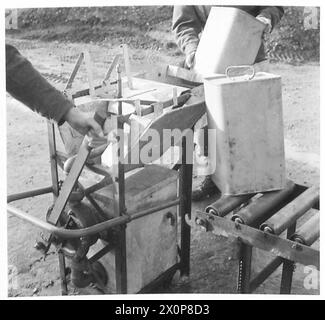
x: 186, y: 28
x: 27, y: 85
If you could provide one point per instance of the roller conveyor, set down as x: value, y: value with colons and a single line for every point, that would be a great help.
x: 309, y: 232
x: 291, y: 212
x: 258, y: 211
x: 227, y: 204
x: 242, y: 217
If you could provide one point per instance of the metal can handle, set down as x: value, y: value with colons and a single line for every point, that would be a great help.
x: 245, y: 72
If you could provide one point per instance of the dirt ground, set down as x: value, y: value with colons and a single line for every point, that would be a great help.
x: 213, y: 259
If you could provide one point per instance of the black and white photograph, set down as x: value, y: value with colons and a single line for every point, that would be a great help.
x: 161, y: 149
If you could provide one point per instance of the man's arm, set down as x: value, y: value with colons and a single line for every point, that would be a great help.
x: 28, y: 86
x: 186, y: 27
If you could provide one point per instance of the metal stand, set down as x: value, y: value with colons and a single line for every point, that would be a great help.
x: 185, y: 193
x: 72, y: 191
x: 119, y: 195
x: 64, y: 284
x: 244, y: 268
x: 289, y: 251
x: 288, y: 267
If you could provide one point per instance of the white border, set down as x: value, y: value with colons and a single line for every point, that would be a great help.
x: 3, y: 175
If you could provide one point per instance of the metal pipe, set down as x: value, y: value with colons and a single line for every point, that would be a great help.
x: 97, y: 228
x: 291, y: 212
x: 226, y: 204
x: 265, y: 273
x: 309, y: 232
x: 263, y: 208
x: 86, y: 92
x: 101, y: 184
x: 185, y: 205
x: 288, y: 267
x: 146, y: 212
x: 244, y: 268
x: 28, y: 194
x: 66, y: 233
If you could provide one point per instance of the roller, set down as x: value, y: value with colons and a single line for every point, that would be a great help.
x: 308, y: 233
x: 263, y: 208
x: 226, y: 204
x: 291, y: 212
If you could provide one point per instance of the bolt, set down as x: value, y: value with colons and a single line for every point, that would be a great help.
x: 214, y: 212
x: 297, y: 246
x: 237, y: 224
x: 267, y: 229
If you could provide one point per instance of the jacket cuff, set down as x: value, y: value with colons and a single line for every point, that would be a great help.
x: 191, y: 47
x: 60, y: 116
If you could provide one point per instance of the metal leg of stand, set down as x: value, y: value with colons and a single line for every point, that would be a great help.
x: 185, y: 194
x: 244, y: 272
x: 64, y: 285
x: 288, y: 268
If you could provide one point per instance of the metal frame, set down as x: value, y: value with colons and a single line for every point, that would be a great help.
x: 63, y: 192
x: 288, y: 252
x: 185, y: 190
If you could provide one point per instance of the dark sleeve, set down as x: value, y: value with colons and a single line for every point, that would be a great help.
x: 27, y: 85
x: 186, y: 27
x: 273, y: 13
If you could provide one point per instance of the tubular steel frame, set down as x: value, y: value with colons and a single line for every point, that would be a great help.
x: 61, y: 196
x: 62, y: 193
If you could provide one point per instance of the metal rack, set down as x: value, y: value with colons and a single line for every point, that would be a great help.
x: 258, y: 222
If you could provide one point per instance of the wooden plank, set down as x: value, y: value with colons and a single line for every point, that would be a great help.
x: 183, y: 98
x: 160, y: 74
x: 284, y: 248
x: 69, y: 184
x: 182, y: 118
x: 53, y: 159
x: 74, y: 72
x: 175, y: 97
x: 158, y: 109
x: 89, y: 68
x: 111, y: 68
x: 181, y: 73
x: 127, y: 64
